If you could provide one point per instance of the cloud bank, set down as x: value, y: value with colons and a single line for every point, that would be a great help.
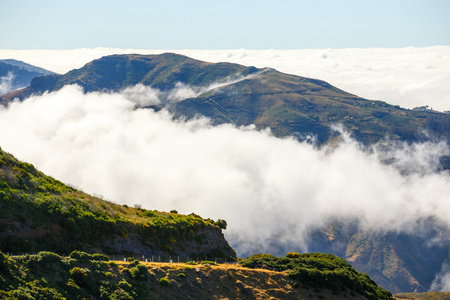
x: 408, y: 77
x: 264, y: 187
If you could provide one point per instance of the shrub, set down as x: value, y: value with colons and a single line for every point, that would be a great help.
x: 80, y: 255
x: 80, y: 276
x: 221, y: 224
x: 48, y: 257
x: 126, y: 271
x: 165, y: 282
x: 120, y: 294
x: 132, y: 261
x: 139, y: 272
x: 100, y: 257
x: 181, y: 275
x: 293, y: 255
x: 112, y: 264
x: 124, y: 285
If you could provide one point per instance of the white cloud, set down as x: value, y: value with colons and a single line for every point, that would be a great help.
x: 442, y: 281
x: 266, y: 188
x: 408, y: 77
x: 146, y: 96
x: 6, y: 83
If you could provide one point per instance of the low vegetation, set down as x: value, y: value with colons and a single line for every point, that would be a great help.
x: 80, y: 275
x: 39, y: 213
x: 318, y: 270
x: 424, y: 296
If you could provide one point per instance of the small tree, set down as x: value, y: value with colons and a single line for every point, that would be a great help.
x: 221, y: 224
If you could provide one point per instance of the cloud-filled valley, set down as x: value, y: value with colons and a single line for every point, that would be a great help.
x: 263, y: 186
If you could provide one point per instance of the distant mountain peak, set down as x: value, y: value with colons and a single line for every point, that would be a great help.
x: 25, y: 66
x: 15, y: 74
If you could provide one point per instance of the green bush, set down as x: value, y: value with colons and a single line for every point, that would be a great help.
x: 80, y: 276
x: 221, y: 224
x: 120, y: 294
x: 80, y: 255
x: 139, y: 272
x: 100, y: 257
x: 123, y: 284
x: 293, y: 255
x: 165, y: 282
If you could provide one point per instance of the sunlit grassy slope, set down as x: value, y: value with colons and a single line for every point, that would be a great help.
x: 49, y: 276
x: 38, y: 212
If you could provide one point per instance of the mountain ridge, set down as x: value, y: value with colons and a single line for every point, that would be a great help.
x: 287, y: 104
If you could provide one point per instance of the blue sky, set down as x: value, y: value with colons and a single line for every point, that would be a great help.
x: 219, y: 24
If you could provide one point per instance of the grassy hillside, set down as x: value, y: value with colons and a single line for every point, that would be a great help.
x: 318, y: 270
x: 294, y: 105
x: 424, y: 296
x: 38, y: 212
x: 50, y: 276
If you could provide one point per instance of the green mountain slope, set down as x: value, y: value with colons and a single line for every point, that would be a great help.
x: 39, y: 213
x: 293, y: 105
x: 287, y: 104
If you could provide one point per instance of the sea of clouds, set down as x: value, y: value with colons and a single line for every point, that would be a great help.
x: 266, y: 188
